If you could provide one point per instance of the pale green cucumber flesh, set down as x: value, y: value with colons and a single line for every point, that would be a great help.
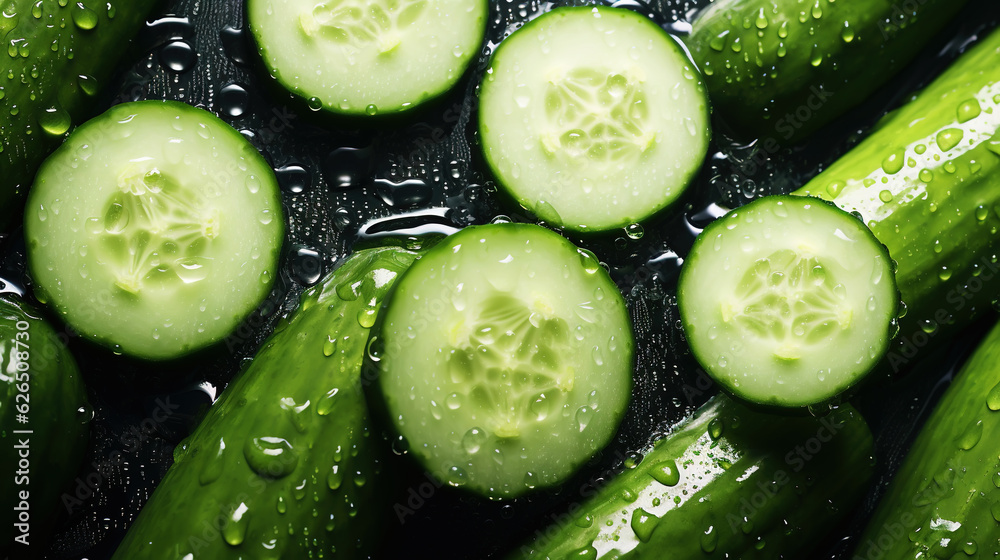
x: 593, y: 118
x: 368, y: 57
x: 788, y: 301
x: 505, y: 359
x: 155, y: 229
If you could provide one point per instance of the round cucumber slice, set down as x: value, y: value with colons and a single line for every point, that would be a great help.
x: 368, y: 57
x: 788, y: 301
x: 155, y: 229
x: 593, y: 118
x: 505, y: 359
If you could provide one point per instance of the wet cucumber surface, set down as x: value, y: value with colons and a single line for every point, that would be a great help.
x: 340, y: 186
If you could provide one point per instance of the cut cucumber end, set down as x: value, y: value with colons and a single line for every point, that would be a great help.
x: 155, y: 229
x: 368, y: 57
x: 593, y: 118
x: 505, y: 359
x: 788, y: 301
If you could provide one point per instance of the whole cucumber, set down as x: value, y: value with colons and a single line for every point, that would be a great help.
x: 732, y: 482
x: 43, y: 426
x: 942, y: 503
x: 781, y: 69
x: 60, y: 55
x: 927, y: 183
x: 284, y: 465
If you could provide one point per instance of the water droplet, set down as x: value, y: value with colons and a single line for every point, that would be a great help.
x: 761, y: 21
x: 293, y: 178
x: 926, y: 175
x: 116, y: 218
x: 178, y: 57
x: 715, y: 428
x: 583, y: 417
x: 643, y: 524
x: 84, y: 17
x: 589, y: 261
x: 270, y: 457
x: 885, y: 196
x: 233, y: 100
x: 211, y: 468
x: 404, y: 194
x: 235, y: 45
x: 945, y: 274
x: 718, y: 43
x: 993, y: 398
x: 982, y: 213
x: 995, y: 511
x: 971, y: 436
x: 307, y: 266
x: 529, y: 479
x: 367, y: 316
x: 949, y: 138
x: 709, y: 539
x: 847, y: 34
x: 55, y: 121
x: 473, y: 440
x: 666, y: 473
x: 893, y: 163
x: 234, y: 531
x: 334, y: 478
x: 969, y: 110
x: 88, y: 85
x: 816, y: 58
x: 371, y: 110
x: 282, y: 506
x: 634, y: 231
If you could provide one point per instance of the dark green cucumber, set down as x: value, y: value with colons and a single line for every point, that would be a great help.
x: 39, y: 383
x: 282, y: 466
x: 730, y: 483
x: 927, y: 183
x: 942, y: 504
x: 60, y: 56
x: 781, y: 69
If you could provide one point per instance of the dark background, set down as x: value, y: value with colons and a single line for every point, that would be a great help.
x: 343, y: 185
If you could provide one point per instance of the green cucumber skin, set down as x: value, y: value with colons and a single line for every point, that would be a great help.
x: 337, y: 472
x: 949, y: 474
x: 770, y: 88
x: 791, y: 501
x: 942, y: 233
x: 59, y: 429
x: 93, y: 53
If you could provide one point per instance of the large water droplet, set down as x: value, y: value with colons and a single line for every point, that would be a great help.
x: 234, y: 531
x: 270, y: 457
x: 212, y: 463
x: 666, y: 473
x: 643, y: 524
x: 971, y: 436
x: 949, y: 138
x: 84, y: 17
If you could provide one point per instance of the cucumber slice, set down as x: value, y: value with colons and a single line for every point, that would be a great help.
x: 788, y: 301
x: 593, y: 118
x: 505, y: 359
x: 155, y: 229
x: 368, y: 57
